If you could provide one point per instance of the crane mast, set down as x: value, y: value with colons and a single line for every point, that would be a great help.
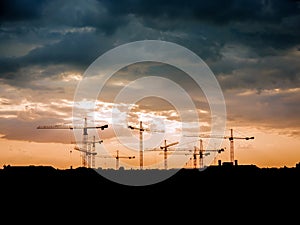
x: 201, y: 153
x: 231, y: 140
x: 231, y: 146
x: 141, y: 146
x: 165, y: 149
x: 85, y: 151
x: 84, y: 143
x: 195, y: 152
x: 91, y: 147
x: 195, y: 157
x: 93, y: 150
x: 117, y: 157
x: 141, y: 130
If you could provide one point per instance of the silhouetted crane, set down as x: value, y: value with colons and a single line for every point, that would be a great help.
x: 117, y: 157
x: 201, y: 152
x: 84, y: 127
x: 230, y: 138
x: 195, y: 152
x: 91, y: 148
x: 164, y: 148
x: 141, y: 129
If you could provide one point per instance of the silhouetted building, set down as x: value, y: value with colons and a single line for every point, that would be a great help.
x: 235, y: 162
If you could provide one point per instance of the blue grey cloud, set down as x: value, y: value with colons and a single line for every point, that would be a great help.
x: 74, y: 33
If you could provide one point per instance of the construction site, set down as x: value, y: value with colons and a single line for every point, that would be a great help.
x: 193, y: 157
x: 219, y: 184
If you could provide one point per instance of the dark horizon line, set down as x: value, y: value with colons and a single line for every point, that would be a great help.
x: 224, y: 164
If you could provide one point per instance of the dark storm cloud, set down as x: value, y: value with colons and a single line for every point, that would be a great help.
x: 75, y: 50
x: 206, y: 26
x: 217, y: 12
x: 15, y: 10
x: 260, y: 73
x: 267, y: 39
x: 265, y: 26
x: 74, y: 33
x: 78, y: 49
x: 84, y: 14
x: 35, y: 13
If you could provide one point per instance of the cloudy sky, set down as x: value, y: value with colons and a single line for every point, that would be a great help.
x: 251, y: 47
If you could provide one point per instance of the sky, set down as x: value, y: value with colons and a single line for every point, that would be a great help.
x: 252, y: 48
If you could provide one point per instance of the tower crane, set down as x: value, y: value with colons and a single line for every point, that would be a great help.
x: 84, y: 127
x: 141, y: 129
x: 117, y: 157
x: 196, y: 152
x: 164, y: 148
x: 91, y: 150
x: 230, y: 138
x: 201, y: 152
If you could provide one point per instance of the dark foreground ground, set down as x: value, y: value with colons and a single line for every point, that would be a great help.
x: 265, y: 193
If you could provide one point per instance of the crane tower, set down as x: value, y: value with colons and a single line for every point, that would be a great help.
x: 165, y: 149
x: 141, y: 129
x: 91, y: 151
x: 231, y: 138
x: 84, y: 150
x: 117, y: 157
